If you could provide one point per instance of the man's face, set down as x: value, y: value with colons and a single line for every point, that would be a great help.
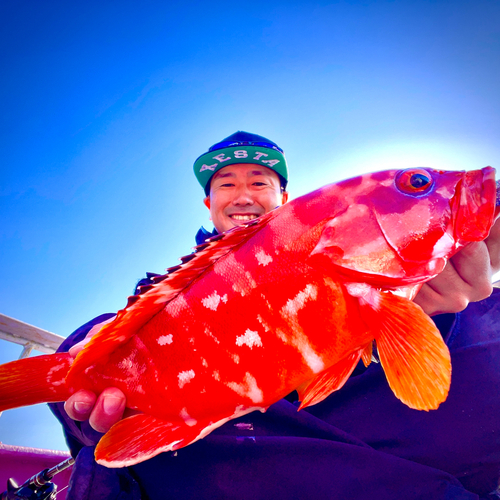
x: 242, y: 192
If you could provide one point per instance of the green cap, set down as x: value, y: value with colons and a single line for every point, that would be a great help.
x: 240, y: 147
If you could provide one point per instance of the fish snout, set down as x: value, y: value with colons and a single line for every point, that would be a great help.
x: 476, y: 205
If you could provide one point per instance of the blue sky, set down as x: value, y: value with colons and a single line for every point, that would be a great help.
x: 106, y: 107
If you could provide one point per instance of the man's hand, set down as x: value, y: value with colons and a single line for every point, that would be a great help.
x: 466, y: 278
x: 103, y: 411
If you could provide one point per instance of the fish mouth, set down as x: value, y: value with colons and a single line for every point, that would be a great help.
x: 474, y: 207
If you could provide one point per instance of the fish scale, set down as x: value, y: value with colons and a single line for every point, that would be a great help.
x: 293, y: 300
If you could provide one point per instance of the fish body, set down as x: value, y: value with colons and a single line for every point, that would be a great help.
x: 291, y: 301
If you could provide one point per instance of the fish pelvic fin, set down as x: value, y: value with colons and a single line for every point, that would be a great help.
x: 153, y: 298
x: 329, y: 380
x: 367, y: 355
x: 40, y: 379
x: 415, y: 359
x: 141, y: 437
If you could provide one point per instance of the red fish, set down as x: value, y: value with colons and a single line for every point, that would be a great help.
x: 291, y: 301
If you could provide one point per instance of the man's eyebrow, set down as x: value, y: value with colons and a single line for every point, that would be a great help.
x: 225, y: 174
x: 258, y: 172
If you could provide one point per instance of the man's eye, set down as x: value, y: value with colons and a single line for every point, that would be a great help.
x: 259, y: 184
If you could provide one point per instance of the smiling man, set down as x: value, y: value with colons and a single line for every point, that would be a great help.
x: 244, y: 176
x: 348, y: 446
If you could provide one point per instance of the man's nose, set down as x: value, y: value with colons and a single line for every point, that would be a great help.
x: 243, y: 197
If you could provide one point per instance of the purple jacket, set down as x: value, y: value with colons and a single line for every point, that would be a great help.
x: 360, y: 443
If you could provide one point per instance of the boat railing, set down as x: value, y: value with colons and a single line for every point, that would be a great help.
x: 29, y: 336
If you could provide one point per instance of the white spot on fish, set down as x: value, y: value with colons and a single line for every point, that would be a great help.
x: 263, y: 323
x: 204, y: 362
x: 296, y: 337
x: 177, y: 306
x: 187, y: 418
x: 314, y: 362
x: 211, y: 335
x: 216, y: 375
x: 51, y: 373
x: 249, y: 338
x: 365, y: 293
x: 248, y: 388
x: 235, y: 358
x: 165, y: 339
x: 249, y: 277
x: 297, y: 303
x: 244, y: 284
x: 263, y: 258
x: 212, y: 301
x: 185, y: 377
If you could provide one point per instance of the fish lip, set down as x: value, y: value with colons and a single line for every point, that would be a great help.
x: 478, y: 189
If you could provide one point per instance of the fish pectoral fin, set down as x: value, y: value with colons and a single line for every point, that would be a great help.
x: 415, y: 359
x: 141, y: 437
x: 328, y: 381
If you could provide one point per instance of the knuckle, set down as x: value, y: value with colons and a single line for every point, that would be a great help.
x: 483, y: 290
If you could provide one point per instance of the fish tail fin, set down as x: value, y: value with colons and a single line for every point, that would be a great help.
x: 415, y: 359
x: 28, y: 381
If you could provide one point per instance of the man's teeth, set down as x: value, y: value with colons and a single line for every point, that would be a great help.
x: 243, y: 217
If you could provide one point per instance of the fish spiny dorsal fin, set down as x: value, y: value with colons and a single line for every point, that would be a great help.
x: 153, y: 298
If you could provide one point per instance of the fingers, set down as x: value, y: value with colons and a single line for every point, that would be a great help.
x: 102, y: 412
x: 80, y: 404
x: 493, y: 244
x: 108, y: 409
x: 466, y: 278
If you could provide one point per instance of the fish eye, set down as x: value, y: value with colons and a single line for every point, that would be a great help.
x: 415, y: 181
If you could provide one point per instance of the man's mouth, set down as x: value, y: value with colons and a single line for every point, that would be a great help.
x: 245, y: 217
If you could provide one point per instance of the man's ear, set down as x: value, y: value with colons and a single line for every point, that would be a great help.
x: 284, y: 197
x: 206, y: 202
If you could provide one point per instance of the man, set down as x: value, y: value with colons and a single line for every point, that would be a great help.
x: 245, y: 176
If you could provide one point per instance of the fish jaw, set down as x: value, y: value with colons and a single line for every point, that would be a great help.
x: 473, y: 207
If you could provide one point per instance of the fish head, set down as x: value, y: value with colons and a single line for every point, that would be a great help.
x: 401, y: 226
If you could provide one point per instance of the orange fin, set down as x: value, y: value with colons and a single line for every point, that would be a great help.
x: 28, y: 381
x: 328, y: 381
x: 153, y: 298
x: 367, y: 354
x: 141, y: 437
x: 415, y: 359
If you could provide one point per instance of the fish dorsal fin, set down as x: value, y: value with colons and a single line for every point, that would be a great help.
x: 328, y: 381
x: 153, y: 298
x: 415, y: 359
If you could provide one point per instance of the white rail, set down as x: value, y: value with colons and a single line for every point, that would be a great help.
x: 29, y: 336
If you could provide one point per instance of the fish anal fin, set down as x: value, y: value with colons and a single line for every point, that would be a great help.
x: 141, y: 437
x: 143, y: 307
x: 328, y: 381
x: 415, y: 359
